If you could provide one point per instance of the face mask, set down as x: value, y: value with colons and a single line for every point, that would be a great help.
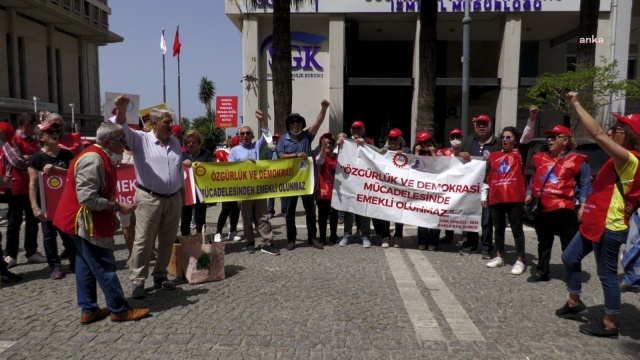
x: 296, y: 133
x: 115, y: 158
x: 455, y: 143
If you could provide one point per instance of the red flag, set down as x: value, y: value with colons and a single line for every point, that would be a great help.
x: 176, y: 43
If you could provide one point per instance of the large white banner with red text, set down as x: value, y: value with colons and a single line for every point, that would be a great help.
x: 435, y: 192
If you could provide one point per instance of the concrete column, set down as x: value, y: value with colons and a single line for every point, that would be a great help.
x: 83, y: 97
x: 251, y: 73
x: 51, y: 69
x: 509, y: 72
x: 416, y: 83
x: 11, y: 18
x: 335, y: 121
x: 621, y: 12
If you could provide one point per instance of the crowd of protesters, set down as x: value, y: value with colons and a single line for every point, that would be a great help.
x: 587, y: 216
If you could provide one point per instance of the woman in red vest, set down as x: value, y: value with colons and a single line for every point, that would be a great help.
x: 68, y: 141
x: 326, y: 162
x: 503, y: 191
x: 615, y: 194
x: 554, y: 182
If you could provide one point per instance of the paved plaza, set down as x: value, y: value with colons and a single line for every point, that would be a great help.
x: 337, y: 303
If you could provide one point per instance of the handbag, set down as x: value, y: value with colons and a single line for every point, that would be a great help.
x: 535, y: 207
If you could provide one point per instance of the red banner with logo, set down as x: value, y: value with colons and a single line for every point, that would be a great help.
x: 226, y: 111
x: 51, y: 188
x: 126, y: 185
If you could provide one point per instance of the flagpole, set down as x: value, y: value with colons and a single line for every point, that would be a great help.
x: 179, y: 98
x: 164, y: 79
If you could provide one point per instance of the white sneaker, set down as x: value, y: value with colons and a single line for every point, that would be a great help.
x: 397, y: 242
x: 385, y: 242
x: 217, y: 238
x: 518, y: 268
x: 496, y: 262
x: 36, y: 258
x: 234, y: 236
x: 11, y: 262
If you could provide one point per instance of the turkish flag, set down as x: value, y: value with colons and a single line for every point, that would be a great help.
x: 176, y: 43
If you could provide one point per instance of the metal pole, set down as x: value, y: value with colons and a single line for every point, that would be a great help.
x: 164, y: 82
x: 73, y: 117
x: 466, y: 30
x: 179, y: 98
x: 35, y: 104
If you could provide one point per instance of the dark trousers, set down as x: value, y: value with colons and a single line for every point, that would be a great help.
x: 327, y: 213
x: 18, y: 205
x: 200, y: 215
x: 231, y: 210
x: 515, y: 211
x: 309, y: 211
x: 271, y: 206
x: 382, y: 227
x: 49, y: 237
x: 487, y: 233
x: 562, y: 222
x: 398, y: 232
x: 3, y: 265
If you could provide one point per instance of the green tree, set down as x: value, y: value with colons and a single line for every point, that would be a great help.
x: 551, y: 89
x: 206, y: 93
x: 281, y: 61
x: 427, y: 66
x: 206, y: 127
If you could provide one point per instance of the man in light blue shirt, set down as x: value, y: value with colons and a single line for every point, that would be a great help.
x: 254, y: 209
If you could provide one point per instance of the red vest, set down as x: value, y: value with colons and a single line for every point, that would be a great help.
x: 222, y: 155
x: 506, y: 178
x: 20, y: 184
x: 447, y: 152
x: 326, y: 177
x: 597, y: 204
x: 559, y: 189
x: 71, y: 142
x: 100, y: 223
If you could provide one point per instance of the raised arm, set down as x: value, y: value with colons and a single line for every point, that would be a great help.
x: 313, y: 130
x: 122, y: 102
x: 527, y: 133
x: 619, y: 154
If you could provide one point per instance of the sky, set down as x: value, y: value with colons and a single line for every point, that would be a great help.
x: 211, y: 47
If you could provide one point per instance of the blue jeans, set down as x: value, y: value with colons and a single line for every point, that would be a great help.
x: 606, y: 253
x: 49, y: 237
x: 271, y: 206
x: 97, y: 264
x: 308, y: 201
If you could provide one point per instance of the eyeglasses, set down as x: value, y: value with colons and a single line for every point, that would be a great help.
x: 53, y: 132
x: 243, y: 133
x: 295, y: 121
x: 455, y: 137
x: 393, y: 138
x: 191, y: 142
x: 507, y: 137
x: 121, y: 140
x: 554, y: 137
x: 481, y: 124
x: 616, y: 130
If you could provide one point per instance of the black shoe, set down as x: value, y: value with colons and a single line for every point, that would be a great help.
x: 250, y: 248
x: 291, y: 245
x: 333, y: 239
x: 446, y: 240
x: 537, y: 278
x: 486, y: 255
x: 625, y: 287
x: 569, y: 312
x: 9, y: 277
x: 270, y: 249
x: 316, y: 244
x: 599, y: 330
x: 468, y: 251
x: 162, y: 282
x: 64, y: 254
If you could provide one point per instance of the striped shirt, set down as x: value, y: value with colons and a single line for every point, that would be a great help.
x: 286, y: 145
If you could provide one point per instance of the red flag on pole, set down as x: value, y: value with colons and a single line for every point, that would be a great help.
x: 176, y: 43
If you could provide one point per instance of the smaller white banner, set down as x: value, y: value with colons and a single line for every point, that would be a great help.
x: 133, y: 111
x: 434, y: 192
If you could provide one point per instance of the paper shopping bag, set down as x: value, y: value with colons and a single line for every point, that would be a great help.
x: 203, y: 261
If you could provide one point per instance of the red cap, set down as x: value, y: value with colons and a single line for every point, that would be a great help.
x: 395, y: 132
x: 369, y: 141
x: 357, y: 124
x: 8, y: 130
x: 47, y: 125
x: 327, y: 134
x: 456, y: 131
x: 559, y: 130
x: 633, y: 120
x: 482, y: 117
x: 423, y: 136
x: 235, y: 140
x: 176, y: 129
x: 277, y: 136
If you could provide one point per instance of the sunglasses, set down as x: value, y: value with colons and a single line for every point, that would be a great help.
x: 191, y: 142
x: 456, y: 137
x: 295, y: 121
x: 247, y: 133
x: 393, y: 138
x: 554, y: 137
x: 616, y: 130
x: 121, y: 140
x: 53, y: 132
x: 507, y: 137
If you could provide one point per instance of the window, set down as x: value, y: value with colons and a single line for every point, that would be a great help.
x: 22, y: 68
x: 76, y: 6
x: 66, y: 4
x: 105, y: 19
x: 87, y: 10
x: 96, y: 14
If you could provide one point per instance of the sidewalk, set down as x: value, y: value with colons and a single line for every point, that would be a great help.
x: 337, y: 303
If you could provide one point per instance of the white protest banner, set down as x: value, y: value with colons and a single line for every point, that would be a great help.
x: 133, y: 110
x: 435, y: 192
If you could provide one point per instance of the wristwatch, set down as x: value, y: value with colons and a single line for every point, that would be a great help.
x: 116, y: 207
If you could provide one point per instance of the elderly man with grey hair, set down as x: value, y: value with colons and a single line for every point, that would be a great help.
x: 157, y: 158
x: 87, y: 213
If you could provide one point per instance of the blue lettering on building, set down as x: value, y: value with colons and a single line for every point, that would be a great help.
x: 493, y: 5
x: 303, y: 56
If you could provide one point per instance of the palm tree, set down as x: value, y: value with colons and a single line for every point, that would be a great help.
x: 427, y: 65
x: 281, y: 61
x: 206, y: 93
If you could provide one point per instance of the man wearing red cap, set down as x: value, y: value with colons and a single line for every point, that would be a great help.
x: 296, y: 143
x: 176, y: 132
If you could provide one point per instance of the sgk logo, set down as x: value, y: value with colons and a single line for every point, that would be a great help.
x: 303, y: 56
